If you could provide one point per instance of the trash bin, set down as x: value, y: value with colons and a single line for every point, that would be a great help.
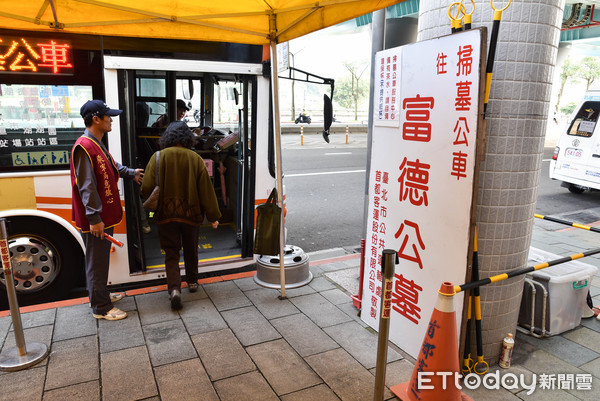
x: 566, y: 285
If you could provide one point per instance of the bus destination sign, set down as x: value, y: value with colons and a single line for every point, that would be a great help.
x: 35, y: 56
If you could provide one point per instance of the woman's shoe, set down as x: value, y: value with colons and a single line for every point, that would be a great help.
x: 193, y: 287
x: 176, y: 300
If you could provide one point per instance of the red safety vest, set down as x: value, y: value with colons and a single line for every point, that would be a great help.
x: 107, y: 177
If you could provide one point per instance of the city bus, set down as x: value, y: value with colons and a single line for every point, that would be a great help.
x: 46, y: 77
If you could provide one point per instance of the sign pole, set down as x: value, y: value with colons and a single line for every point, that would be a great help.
x: 19, y: 357
x: 388, y: 262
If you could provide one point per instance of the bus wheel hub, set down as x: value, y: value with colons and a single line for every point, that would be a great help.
x: 33, y: 261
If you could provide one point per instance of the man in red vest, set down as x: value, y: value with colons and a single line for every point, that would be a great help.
x: 96, y: 202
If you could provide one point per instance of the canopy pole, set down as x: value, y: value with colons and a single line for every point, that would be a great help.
x: 279, y: 167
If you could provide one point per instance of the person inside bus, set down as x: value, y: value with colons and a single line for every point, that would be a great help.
x: 186, y: 198
x: 96, y: 203
x: 163, y: 120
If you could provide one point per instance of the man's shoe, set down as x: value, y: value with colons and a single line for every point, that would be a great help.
x: 116, y: 296
x: 113, y: 314
x: 193, y: 287
x: 176, y: 300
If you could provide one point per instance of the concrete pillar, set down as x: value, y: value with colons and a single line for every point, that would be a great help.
x: 516, y: 122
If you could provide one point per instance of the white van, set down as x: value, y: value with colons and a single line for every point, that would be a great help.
x: 576, y: 158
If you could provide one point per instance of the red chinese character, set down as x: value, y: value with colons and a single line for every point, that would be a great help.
x: 382, y: 228
x: 373, y: 313
x: 385, y: 313
x: 383, y: 211
x: 417, y: 127
x: 461, y: 129
x: 377, y: 188
x: 381, y: 243
x: 371, y: 286
x: 385, y: 177
x: 376, y: 201
x: 375, y: 214
x: 378, y: 176
x: 464, y: 60
x: 375, y: 226
x: 384, y: 195
x: 463, y: 96
x: 374, y: 300
x: 55, y: 55
x: 378, y: 291
x: 415, y: 257
x: 441, y: 63
x: 459, y: 165
x: 405, y: 298
x: 413, y: 179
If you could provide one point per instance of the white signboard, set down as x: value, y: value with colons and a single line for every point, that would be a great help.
x: 283, y: 56
x: 421, y: 178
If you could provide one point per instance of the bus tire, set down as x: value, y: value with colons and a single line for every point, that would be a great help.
x: 47, y: 262
x: 575, y: 189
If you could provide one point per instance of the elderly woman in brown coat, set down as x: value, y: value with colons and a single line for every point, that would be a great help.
x: 186, y: 197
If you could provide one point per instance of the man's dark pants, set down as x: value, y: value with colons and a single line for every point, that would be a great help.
x: 97, y: 258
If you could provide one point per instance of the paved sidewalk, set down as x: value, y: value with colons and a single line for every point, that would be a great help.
x: 234, y: 340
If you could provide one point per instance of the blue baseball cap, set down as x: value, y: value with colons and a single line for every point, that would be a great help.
x: 98, y: 107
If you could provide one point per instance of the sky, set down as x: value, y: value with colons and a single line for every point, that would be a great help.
x: 324, y: 53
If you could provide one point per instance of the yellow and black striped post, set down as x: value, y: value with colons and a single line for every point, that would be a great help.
x: 468, y: 16
x: 455, y: 20
x: 568, y: 223
x: 492, y: 52
x: 481, y: 363
x: 467, y: 360
x: 518, y: 272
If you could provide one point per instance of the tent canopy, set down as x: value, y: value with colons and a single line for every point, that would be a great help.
x: 242, y: 21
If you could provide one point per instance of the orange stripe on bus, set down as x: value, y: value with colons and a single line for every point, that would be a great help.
x: 53, y: 200
x: 261, y: 201
x: 66, y: 214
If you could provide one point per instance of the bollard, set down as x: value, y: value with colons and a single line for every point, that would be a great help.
x: 19, y: 357
x: 347, y: 132
x: 301, y: 134
x: 388, y: 261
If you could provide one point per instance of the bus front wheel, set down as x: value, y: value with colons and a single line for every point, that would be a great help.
x: 46, y: 261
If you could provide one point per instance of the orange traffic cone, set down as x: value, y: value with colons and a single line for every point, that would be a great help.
x: 435, y: 376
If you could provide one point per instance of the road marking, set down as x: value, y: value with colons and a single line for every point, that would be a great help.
x: 324, y: 173
x: 546, y: 160
x: 340, y: 153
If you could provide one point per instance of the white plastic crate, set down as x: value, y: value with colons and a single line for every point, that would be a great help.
x: 567, y: 285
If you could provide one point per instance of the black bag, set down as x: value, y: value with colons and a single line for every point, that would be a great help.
x: 268, y: 226
x: 151, y: 204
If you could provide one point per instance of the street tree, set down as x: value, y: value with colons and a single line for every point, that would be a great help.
x: 351, y: 89
x: 589, y: 70
x: 568, y: 71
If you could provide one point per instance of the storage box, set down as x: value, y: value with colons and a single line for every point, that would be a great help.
x: 566, y: 285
